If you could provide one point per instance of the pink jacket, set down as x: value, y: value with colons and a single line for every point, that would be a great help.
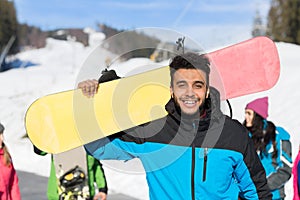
x: 9, y: 184
x: 295, y: 177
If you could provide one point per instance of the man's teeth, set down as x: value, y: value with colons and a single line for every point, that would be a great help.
x: 189, y: 101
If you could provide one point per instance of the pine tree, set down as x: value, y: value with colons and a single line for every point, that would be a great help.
x: 8, y: 24
x: 284, y: 21
x: 258, y: 27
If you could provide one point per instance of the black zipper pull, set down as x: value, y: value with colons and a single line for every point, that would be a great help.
x: 204, y: 164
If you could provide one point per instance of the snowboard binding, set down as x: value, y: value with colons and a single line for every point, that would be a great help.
x: 73, y: 185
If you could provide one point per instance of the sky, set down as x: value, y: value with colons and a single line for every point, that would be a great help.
x: 66, y: 57
x: 211, y: 22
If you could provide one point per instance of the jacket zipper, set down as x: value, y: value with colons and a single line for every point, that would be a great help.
x: 193, y: 165
x: 204, y: 164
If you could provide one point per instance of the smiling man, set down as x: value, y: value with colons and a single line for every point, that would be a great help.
x: 195, y: 152
x: 189, y: 85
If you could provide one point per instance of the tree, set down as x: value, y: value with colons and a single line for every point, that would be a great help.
x: 258, y: 27
x: 284, y: 21
x: 8, y: 24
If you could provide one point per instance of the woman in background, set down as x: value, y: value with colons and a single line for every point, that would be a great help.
x: 272, y: 144
x: 9, y: 184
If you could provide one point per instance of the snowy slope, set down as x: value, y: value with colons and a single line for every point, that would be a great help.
x: 61, y: 64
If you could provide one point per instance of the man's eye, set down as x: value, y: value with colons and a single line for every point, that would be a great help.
x: 198, y: 86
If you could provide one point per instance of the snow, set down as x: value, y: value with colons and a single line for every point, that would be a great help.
x: 62, y: 64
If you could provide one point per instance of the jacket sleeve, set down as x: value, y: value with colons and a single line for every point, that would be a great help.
x: 96, y: 174
x: 52, y: 187
x: 111, y: 148
x: 100, y: 178
x: 15, y: 190
x: 283, y: 173
x: 256, y: 186
x: 296, y: 180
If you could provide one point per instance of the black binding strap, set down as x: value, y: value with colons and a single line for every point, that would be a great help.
x: 230, y: 108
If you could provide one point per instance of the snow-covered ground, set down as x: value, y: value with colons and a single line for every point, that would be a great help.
x: 61, y: 64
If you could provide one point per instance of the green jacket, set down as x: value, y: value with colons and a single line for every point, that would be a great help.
x: 95, y: 175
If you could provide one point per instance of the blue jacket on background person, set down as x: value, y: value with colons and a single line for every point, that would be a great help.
x: 272, y: 144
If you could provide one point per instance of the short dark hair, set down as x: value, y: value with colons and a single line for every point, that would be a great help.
x: 190, y: 60
x: 1, y: 128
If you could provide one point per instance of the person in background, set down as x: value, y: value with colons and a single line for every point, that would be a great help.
x: 95, y: 174
x: 9, y: 183
x: 96, y: 177
x: 272, y: 143
x: 296, y: 176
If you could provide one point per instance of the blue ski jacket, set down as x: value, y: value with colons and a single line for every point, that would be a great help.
x: 207, y: 158
x: 279, y: 168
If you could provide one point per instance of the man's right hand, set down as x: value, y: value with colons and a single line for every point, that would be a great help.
x: 89, y: 87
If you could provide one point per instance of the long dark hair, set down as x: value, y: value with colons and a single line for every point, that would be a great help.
x: 263, y: 132
x: 6, y: 156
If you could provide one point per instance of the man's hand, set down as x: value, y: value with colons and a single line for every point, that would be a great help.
x: 89, y: 87
x: 100, y: 196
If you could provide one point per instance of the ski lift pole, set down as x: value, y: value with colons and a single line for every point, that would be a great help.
x: 6, y: 49
x: 180, y: 44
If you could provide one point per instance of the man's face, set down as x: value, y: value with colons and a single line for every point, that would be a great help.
x: 189, y: 89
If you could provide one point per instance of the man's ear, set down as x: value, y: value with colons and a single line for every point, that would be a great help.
x: 207, y: 93
x: 171, y: 92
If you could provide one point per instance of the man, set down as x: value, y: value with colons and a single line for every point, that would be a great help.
x: 195, y: 152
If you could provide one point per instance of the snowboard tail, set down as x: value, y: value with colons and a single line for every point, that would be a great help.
x: 59, y: 122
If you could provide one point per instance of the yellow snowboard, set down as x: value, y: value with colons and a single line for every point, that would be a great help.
x: 66, y: 120
x: 63, y: 121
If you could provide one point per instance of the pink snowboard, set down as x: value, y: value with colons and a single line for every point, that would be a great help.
x: 245, y: 68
